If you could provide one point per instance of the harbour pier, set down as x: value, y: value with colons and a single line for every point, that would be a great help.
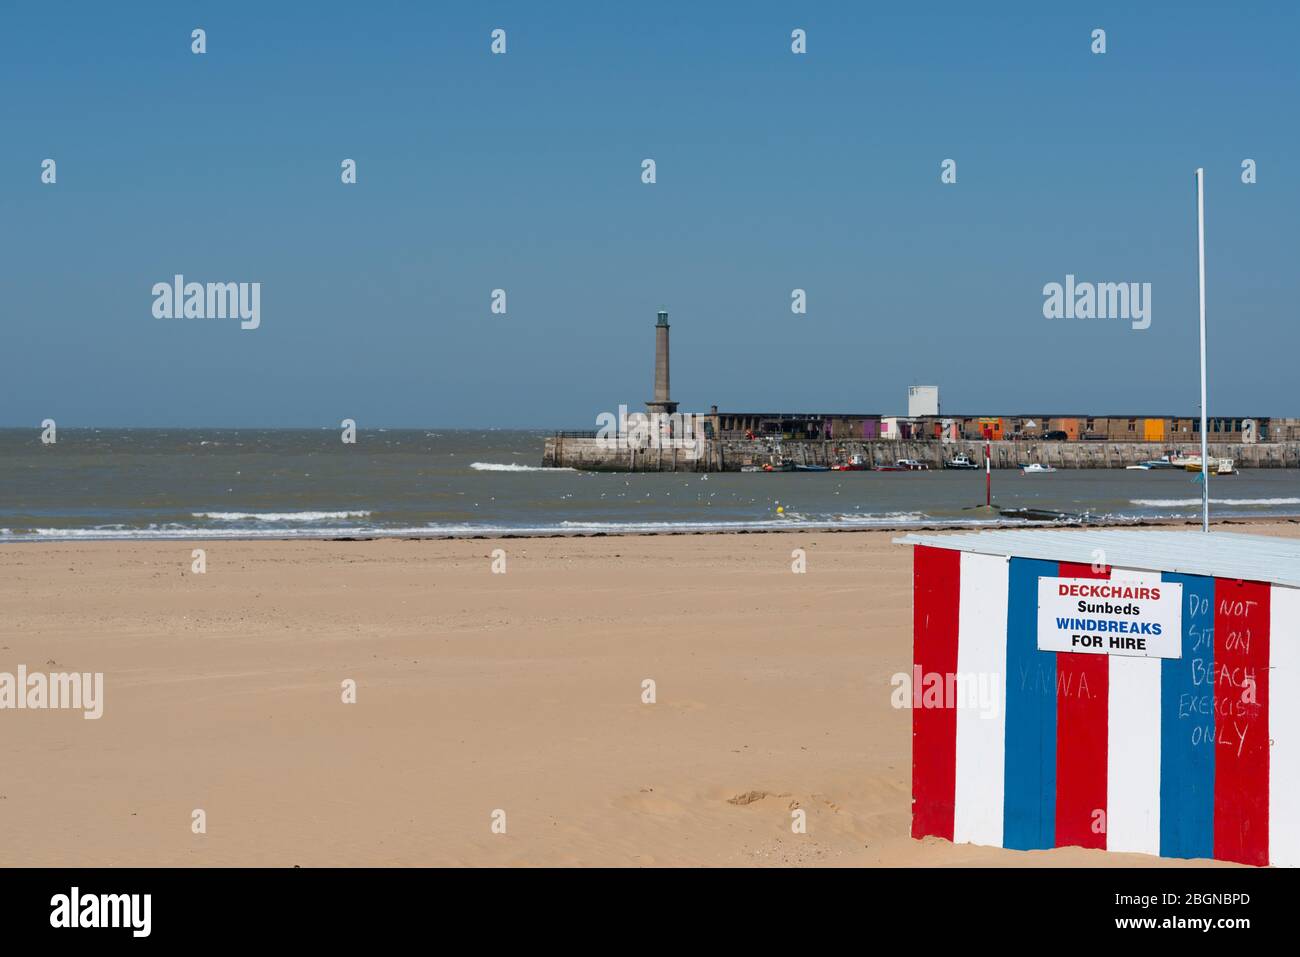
x: 665, y: 440
x: 584, y: 451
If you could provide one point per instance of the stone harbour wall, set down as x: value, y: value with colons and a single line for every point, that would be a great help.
x: 730, y: 455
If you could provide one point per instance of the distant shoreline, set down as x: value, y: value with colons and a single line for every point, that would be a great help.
x: 773, y: 529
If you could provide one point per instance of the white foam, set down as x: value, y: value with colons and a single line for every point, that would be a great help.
x: 1183, y: 502
x: 278, y: 516
x: 512, y: 467
x: 173, y: 531
x: 776, y: 523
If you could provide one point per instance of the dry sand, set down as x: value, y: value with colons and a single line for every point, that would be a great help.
x: 476, y: 692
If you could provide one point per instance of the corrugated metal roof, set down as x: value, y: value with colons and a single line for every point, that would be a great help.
x: 1223, y: 554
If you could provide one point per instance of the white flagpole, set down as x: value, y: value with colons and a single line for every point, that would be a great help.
x: 1205, y: 458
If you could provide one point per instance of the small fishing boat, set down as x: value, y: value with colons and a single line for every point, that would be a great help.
x: 1170, y: 460
x: 960, y: 461
x: 751, y: 468
x: 812, y: 468
x: 1035, y: 468
x: 904, y: 465
x: 857, y: 463
x: 1217, y: 466
x: 779, y: 467
x: 1041, y: 515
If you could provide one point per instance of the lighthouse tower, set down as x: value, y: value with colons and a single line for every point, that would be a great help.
x: 661, y: 401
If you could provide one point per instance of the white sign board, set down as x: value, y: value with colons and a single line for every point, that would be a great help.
x: 1142, y: 619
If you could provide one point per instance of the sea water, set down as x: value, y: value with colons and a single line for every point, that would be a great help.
x: 248, y: 483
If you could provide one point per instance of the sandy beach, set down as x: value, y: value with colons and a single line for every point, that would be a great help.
x: 476, y: 692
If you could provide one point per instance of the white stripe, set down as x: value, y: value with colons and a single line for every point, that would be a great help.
x: 981, y: 729
x: 1133, y: 746
x: 1284, y: 727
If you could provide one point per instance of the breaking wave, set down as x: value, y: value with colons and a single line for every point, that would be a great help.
x: 278, y: 516
x: 1184, y: 502
x: 511, y: 467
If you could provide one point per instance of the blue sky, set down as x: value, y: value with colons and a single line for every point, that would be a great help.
x: 522, y: 172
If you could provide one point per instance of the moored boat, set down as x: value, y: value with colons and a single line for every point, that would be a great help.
x: 1170, y: 460
x: 1035, y: 468
x: 960, y: 461
x: 855, y: 464
x: 1217, y: 466
x: 1041, y: 515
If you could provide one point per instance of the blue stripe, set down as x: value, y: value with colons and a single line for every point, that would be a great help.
x: 1029, y: 811
x: 1187, y: 728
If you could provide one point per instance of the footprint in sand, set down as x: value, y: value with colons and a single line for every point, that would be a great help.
x: 749, y: 797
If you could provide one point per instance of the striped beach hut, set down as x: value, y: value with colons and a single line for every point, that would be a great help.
x: 1128, y: 690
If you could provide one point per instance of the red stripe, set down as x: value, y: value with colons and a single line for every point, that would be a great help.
x: 1082, y: 694
x: 1241, y: 636
x: 936, y: 595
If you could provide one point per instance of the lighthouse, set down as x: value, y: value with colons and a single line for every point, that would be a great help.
x: 661, y: 402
